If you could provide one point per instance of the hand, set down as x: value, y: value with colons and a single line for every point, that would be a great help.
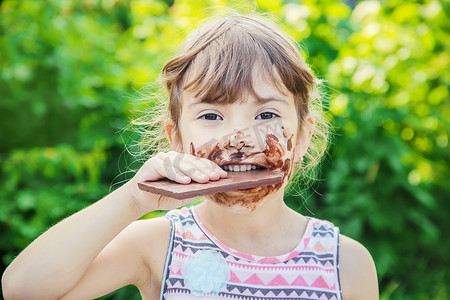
x: 179, y: 167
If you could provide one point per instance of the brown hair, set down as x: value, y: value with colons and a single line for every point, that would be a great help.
x: 224, y: 53
x: 216, y: 62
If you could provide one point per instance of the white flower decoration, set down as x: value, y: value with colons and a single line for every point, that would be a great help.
x: 206, y: 273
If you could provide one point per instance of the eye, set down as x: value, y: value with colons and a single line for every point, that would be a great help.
x: 211, y: 117
x: 266, y: 116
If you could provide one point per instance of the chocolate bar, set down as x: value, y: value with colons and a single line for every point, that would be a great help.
x: 234, y: 181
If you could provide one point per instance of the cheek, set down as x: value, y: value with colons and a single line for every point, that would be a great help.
x: 280, y: 152
x: 191, y: 136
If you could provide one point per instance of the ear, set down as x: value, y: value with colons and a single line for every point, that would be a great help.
x: 173, y: 136
x: 304, y: 138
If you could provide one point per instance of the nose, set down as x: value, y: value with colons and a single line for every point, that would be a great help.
x: 255, y: 134
x: 243, y: 139
x: 238, y: 140
x: 243, y: 130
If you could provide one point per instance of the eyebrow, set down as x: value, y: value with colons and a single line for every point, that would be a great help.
x: 271, y: 99
x: 259, y: 100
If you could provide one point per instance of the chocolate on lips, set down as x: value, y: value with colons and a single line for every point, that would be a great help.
x: 244, y: 188
x: 276, y: 156
x: 238, y: 153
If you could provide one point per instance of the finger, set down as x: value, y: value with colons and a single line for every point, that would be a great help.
x: 195, y: 174
x: 204, y: 165
x: 165, y: 169
x: 193, y: 167
x: 217, y: 169
x: 176, y: 170
x: 212, y: 168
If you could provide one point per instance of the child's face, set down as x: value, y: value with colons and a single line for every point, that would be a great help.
x: 257, y: 132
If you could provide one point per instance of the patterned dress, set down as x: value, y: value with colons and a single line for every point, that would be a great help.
x: 199, y: 266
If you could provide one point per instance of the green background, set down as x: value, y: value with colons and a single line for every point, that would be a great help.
x: 70, y: 76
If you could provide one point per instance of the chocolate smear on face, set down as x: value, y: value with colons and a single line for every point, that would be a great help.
x: 289, y: 144
x: 286, y: 169
x: 239, y: 135
x: 192, y: 149
x: 287, y: 134
x: 276, y: 156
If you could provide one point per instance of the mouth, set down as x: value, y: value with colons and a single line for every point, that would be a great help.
x: 240, y: 167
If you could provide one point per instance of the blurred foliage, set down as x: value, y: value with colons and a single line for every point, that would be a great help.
x: 69, y: 71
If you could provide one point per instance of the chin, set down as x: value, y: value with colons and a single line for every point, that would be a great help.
x: 244, y: 201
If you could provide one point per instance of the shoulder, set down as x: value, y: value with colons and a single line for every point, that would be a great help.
x: 357, y: 271
x: 149, y: 240
x: 152, y: 235
x: 146, y: 232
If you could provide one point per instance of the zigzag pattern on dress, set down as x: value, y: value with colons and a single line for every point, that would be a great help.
x: 253, y: 293
x: 190, y: 248
x: 310, y: 271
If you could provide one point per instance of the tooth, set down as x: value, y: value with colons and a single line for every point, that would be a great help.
x: 225, y: 168
x: 243, y: 168
x: 236, y: 168
x: 248, y: 167
x: 253, y: 167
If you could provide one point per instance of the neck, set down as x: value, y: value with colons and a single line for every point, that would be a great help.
x: 251, y: 231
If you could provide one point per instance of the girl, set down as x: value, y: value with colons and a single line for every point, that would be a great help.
x: 240, y: 98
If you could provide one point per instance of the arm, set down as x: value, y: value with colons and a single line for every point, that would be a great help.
x: 89, y: 244
x: 132, y: 257
x: 357, y: 271
x: 55, y: 262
